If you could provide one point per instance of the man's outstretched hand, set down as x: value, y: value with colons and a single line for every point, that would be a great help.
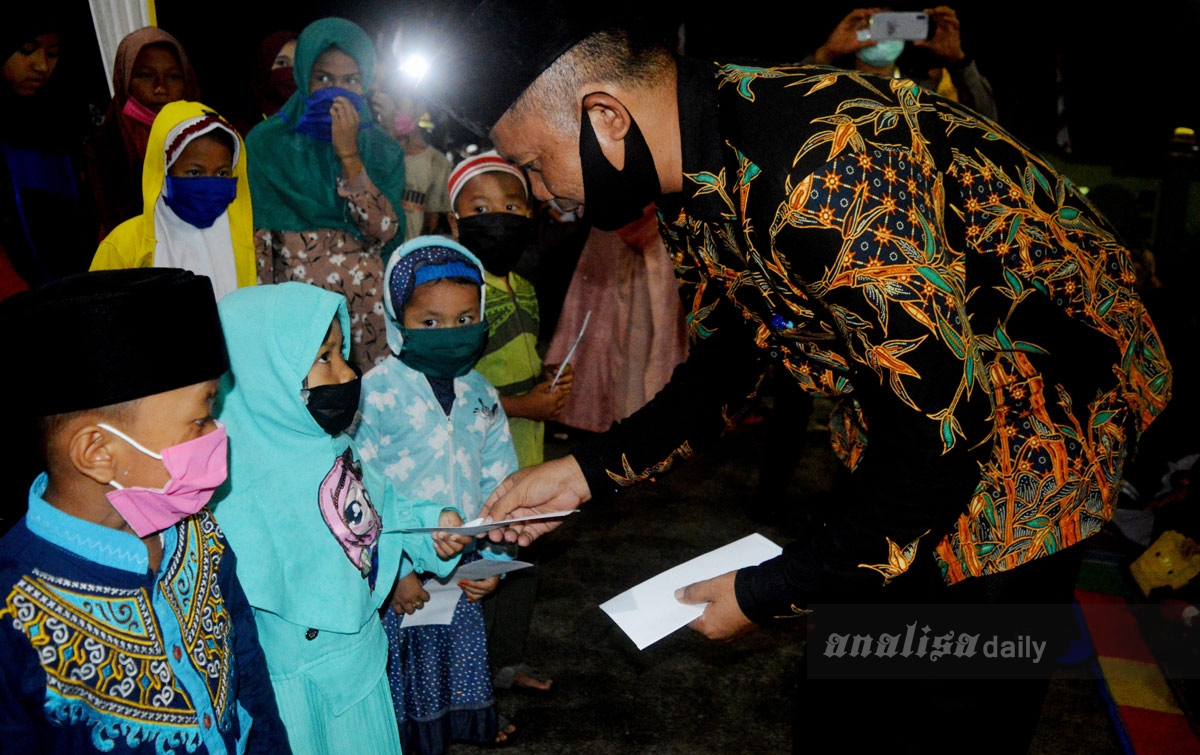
x: 557, y: 485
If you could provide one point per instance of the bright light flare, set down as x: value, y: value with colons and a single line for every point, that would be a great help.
x: 415, y: 66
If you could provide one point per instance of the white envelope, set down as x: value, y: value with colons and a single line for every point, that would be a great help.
x: 479, y: 526
x: 649, y: 611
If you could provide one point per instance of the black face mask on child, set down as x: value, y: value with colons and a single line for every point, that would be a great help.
x: 334, y: 406
x: 498, y: 239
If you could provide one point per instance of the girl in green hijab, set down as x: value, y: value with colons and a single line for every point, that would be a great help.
x: 326, y: 183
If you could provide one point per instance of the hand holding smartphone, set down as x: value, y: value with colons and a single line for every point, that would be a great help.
x: 908, y: 26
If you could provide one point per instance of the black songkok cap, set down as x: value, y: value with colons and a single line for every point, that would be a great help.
x: 100, y: 338
x: 491, y: 51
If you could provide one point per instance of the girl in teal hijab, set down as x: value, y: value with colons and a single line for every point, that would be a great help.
x: 318, y: 537
x: 327, y: 183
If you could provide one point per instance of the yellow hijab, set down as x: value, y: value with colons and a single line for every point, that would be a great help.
x: 132, y: 244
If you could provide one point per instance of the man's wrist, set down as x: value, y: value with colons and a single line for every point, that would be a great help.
x: 762, y: 593
x: 579, y: 484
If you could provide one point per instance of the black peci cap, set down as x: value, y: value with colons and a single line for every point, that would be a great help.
x: 491, y: 51
x: 100, y: 338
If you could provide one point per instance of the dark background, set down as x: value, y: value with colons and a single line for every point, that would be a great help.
x: 1128, y: 74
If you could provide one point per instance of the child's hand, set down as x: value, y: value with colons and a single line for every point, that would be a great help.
x: 565, y: 380
x: 478, y: 589
x: 542, y: 404
x: 446, y: 544
x: 408, y: 595
x: 344, y: 128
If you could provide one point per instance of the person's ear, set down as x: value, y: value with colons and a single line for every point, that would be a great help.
x: 89, y: 451
x: 453, y: 218
x: 610, y: 121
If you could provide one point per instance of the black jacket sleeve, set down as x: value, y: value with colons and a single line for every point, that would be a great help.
x: 705, y: 395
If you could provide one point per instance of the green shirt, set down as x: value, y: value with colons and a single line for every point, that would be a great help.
x: 511, y: 361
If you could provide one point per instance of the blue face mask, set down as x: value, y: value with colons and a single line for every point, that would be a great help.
x: 199, y: 201
x: 317, y: 122
x: 882, y: 53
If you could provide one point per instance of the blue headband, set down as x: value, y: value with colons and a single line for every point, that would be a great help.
x: 454, y: 269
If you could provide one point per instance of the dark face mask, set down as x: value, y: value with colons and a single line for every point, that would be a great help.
x: 615, y: 198
x: 282, y: 83
x: 498, y: 239
x: 316, y: 120
x: 444, y: 352
x: 334, y: 406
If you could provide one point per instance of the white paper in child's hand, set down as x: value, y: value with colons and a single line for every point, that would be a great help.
x: 439, y: 609
x: 649, y: 611
x: 479, y: 526
x: 486, y: 567
x: 571, y: 352
x: 444, y: 592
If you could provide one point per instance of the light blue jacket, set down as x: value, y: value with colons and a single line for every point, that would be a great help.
x: 455, y: 460
x: 297, y: 509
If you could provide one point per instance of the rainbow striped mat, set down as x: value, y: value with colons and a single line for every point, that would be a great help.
x: 1148, y: 706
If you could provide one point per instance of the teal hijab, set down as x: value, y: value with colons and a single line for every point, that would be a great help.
x: 290, y: 561
x: 293, y: 177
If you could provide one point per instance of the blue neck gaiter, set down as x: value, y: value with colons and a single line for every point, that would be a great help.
x: 316, y: 121
x: 199, y: 201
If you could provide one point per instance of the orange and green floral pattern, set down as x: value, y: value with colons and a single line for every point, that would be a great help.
x: 907, y: 242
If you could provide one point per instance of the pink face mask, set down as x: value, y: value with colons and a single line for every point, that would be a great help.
x: 405, y: 124
x: 139, y: 112
x: 197, y: 468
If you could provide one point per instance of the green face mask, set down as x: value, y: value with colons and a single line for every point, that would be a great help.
x: 444, y: 352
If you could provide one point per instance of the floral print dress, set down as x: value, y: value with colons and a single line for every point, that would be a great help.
x: 338, y: 261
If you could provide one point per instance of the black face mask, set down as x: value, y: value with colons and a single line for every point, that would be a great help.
x: 615, y: 198
x: 498, y: 239
x: 334, y: 406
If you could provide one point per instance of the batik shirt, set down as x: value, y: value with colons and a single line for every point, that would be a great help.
x: 98, y: 653
x: 972, y: 315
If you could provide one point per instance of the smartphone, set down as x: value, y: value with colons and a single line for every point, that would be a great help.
x: 892, y: 25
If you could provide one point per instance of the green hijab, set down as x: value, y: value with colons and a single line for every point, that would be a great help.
x: 293, y: 177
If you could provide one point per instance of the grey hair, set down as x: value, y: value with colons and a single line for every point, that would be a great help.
x: 608, y: 56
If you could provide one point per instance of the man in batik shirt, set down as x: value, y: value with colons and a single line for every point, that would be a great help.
x: 973, y: 316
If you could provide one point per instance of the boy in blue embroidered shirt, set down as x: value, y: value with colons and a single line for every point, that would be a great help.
x: 123, y: 627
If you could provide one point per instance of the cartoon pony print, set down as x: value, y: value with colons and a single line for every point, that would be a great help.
x: 349, y: 514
